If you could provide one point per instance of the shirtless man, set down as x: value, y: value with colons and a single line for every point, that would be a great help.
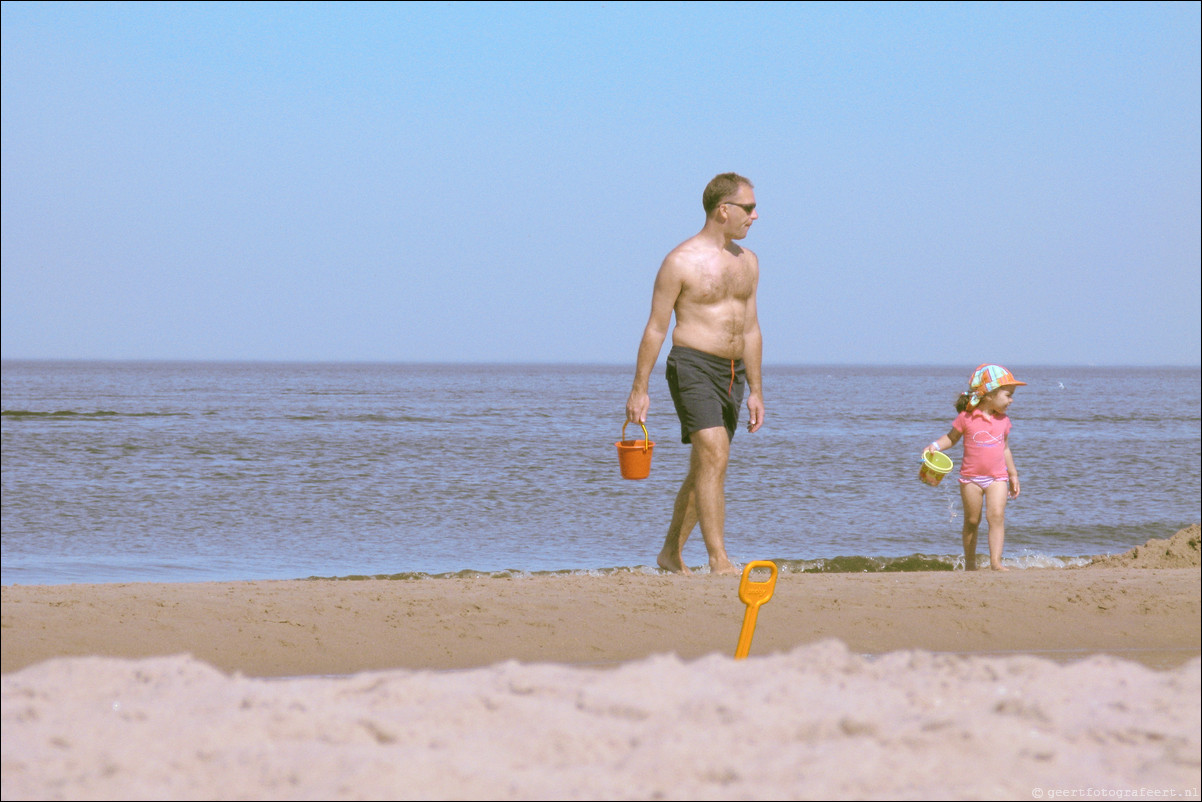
x: 709, y: 282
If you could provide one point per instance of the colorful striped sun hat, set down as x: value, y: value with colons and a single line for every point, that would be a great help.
x: 988, y: 378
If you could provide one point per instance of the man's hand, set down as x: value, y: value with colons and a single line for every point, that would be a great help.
x: 636, y: 407
x: 755, y: 412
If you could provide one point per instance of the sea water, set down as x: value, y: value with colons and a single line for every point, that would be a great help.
x: 174, y: 472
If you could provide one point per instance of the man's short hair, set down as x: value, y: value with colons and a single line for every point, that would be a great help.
x: 719, y: 187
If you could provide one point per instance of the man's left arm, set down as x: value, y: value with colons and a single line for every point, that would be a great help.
x: 753, y: 357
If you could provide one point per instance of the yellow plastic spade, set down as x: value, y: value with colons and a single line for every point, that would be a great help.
x: 753, y: 594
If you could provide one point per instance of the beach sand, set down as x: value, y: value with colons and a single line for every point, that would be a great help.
x: 1031, y: 684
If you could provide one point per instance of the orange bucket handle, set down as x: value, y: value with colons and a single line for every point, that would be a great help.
x: 646, y: 437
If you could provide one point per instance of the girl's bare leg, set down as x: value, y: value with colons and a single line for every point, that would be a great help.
x: 995, y: 513
x: 973, y: 498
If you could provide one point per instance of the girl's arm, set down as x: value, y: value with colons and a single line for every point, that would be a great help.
x: 944, y: 443
x: 1011, y: 471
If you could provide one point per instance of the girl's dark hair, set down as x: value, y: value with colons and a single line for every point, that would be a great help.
x: 962, y: 402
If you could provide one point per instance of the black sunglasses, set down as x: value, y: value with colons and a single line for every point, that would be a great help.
x: 747, y: 207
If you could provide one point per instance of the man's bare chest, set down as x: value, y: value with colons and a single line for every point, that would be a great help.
x: 720, y: 283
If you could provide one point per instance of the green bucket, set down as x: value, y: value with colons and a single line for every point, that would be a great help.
x: 935, y: 466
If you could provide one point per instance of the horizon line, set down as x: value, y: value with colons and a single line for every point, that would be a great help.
x: 552, y: 363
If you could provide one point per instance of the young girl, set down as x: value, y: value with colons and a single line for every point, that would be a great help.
x: 987, y: 472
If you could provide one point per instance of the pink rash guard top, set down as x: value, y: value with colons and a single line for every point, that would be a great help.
x: 984, y: 437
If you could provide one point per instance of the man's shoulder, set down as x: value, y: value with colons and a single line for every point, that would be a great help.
x: 698, y: 250
x: 688, y: 254
x: 694, y: 244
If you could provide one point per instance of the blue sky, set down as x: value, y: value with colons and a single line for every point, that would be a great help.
x: 498, y: 182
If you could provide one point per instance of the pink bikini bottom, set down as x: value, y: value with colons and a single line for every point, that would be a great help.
x: 982, y: 481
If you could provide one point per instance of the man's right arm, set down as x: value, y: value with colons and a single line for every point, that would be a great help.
x: 663, y: 301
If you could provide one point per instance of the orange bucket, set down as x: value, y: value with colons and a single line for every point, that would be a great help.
x: 634, y: 456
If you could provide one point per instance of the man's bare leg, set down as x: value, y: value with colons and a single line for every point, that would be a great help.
x: 711, y: 454
x: 701, y: 499
x: 684, y: 518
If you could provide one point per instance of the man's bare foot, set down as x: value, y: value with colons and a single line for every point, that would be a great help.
x: 970, y: 565
x: 672, y: 564
x: 722, y: 566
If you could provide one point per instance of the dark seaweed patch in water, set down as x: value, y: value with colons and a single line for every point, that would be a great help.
x: 869, y: 565
x: 23, y: 414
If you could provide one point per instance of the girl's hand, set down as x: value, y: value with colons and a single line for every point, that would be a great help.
x: 1014, y: 487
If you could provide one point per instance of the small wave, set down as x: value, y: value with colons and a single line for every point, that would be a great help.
x: 19, y: 414
x: 831, y: 565
x: 362, y: 418
x: 1034, y: 560
x: 506, y: 573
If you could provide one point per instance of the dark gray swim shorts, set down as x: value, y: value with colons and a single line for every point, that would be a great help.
x: 706, y: 389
